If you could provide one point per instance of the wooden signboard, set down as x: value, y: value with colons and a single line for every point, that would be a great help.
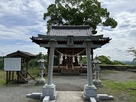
x: 12, y: 64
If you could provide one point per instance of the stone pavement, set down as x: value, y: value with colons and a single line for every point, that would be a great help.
x: 69, y: 96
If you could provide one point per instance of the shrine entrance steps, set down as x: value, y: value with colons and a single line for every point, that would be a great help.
x: 70, y: 70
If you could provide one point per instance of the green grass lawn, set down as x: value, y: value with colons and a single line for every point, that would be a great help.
x: 126, y: 89
x: 34, y: 72
x: 2, y: 78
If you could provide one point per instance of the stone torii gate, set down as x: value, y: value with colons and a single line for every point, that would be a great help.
x: 72, y: 37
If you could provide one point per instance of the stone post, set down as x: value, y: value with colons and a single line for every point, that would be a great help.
x: 89, y: 89
x: 49, y: 89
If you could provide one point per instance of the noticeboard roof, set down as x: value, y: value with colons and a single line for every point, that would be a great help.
x: 21, y: 54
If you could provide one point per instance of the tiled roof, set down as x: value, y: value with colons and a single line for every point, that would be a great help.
x: 72, y: 34
x: 70, y: 30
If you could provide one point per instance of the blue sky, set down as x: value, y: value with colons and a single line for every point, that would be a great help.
x: 22, y: 19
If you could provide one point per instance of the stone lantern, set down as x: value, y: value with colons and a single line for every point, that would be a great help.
x: 41, y: 80
x: 97, y: 81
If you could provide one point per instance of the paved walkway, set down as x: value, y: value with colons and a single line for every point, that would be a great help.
x: 69, y: 96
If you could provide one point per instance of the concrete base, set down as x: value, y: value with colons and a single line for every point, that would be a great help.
x: 40, y: 81
x: 97, y: 83
x: 34, y: 95
x: 49, y: 90
x: 105, y: 97
x: 71, y: 96
x: 46, y: 99
x: 90, y: 94
x: 89, y: 91
x: 92, y: 99
x: 48, y: 93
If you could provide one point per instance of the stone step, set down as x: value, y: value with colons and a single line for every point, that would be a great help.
x: 69, y: 71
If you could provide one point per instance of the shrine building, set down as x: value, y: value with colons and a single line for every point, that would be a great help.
x: 69, y: 42
x: 69, y: 45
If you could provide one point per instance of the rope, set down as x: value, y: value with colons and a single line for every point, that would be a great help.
x: 70, y: 55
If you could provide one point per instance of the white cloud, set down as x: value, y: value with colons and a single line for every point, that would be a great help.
x: 22, y: 19
x: 123, y: 36
x: 28, y: 47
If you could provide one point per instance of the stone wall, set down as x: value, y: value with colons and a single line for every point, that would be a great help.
x: 117, y: 67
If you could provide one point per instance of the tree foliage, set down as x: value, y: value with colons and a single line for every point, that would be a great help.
x: 132, y: 50
x: 33, y: 62
x: 78, y: 12
x: 106, y: 60
x: 116, y: 62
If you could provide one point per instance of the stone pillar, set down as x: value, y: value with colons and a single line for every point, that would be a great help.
x: 51, y: 60
x: 89, y: 89
x: 49, y: 89
x: 89, y: 62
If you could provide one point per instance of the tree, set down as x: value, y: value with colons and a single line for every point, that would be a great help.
x: 132, y: 50
x: 78, y: 12
x: 115, y: 62
x: 104, y: 59
x: 33, y: 62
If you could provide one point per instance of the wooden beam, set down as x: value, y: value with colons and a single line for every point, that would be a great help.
x: 7, y: 75
x: 12, y: 75
x: 26, y: 61
x: 18, y: 77
x: 73, y: 46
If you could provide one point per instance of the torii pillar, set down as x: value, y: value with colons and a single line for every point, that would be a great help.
x: 49, y: 89
x: 89, y: 89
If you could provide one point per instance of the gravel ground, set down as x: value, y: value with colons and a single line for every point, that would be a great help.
x: 17, y: 93
x: 70, y: 83
x: 120, y: 76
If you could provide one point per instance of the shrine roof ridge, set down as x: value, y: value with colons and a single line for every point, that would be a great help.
x: 71, y: 27
x: 75, y: 30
